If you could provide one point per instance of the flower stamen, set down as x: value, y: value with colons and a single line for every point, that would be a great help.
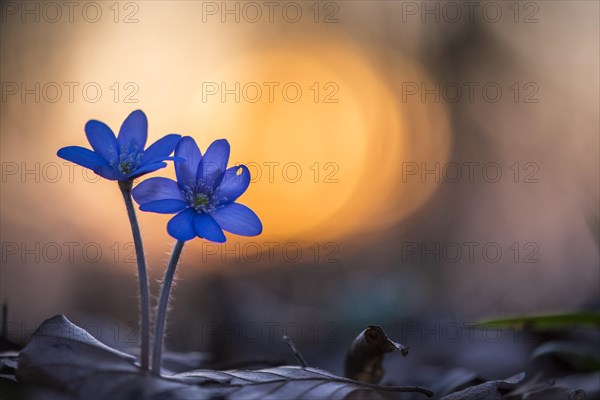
x: 200, y: 198
x: 129, y: 160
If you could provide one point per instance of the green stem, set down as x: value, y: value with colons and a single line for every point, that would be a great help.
x: 163, y: 303
x: 142, y: 275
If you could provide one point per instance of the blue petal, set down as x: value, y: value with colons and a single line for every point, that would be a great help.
x: 207, y: 228
x: 107, y: 172
x: 239, y: 219
x: 186, y: 171
x: 168, y: 206
x: 174, y: 158
x: 102, y: 139
x: 233, y: 185
x: 82, y: 156
x: 181, y: 226
x: 134, y: 131
x: 213, y: 164
x: 161, y: 149
x: 154, y: 189
x: 145, y: 169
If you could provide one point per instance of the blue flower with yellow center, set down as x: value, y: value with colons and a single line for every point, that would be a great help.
x: 204, y: 195
x: 121, y: 158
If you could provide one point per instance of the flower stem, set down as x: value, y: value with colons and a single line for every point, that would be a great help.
x: 142, y: 275
x: 163, y: 303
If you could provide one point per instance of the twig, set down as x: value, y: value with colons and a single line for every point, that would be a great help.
x: 295, y: 351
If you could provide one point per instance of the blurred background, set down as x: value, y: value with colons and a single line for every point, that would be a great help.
x: 416, y: 165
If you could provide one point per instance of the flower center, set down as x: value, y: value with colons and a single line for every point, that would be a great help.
x: 200, y: 198
x: 129, y: 160
x: 201, y: 201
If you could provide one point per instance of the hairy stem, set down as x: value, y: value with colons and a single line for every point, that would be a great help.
x: 142, y: 275
x: 163, y: 303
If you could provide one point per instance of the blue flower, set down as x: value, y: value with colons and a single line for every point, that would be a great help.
x: 122, y: 158
x: 203, y: 196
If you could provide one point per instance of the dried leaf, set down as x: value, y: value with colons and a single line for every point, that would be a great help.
x: 365, y: 356
x: 176, y: 361
x: 445, y: 381
x: 287, y: 382
x: 590, y: 383
x: 555, y: 393
x: 8, y: 360
x: 543, y: 389
x: 579, y: 356
x: 64, y: 357
x: 492, y: 390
